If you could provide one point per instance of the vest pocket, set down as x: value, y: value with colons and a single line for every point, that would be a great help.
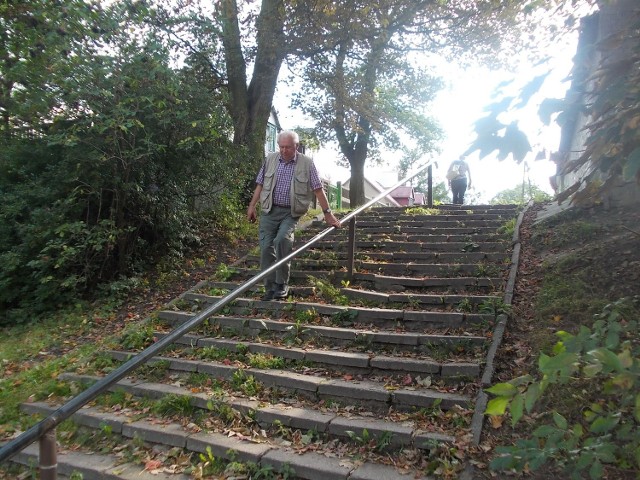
x: 301, y: 192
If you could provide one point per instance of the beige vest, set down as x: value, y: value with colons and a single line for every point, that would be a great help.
x: 301, y: 192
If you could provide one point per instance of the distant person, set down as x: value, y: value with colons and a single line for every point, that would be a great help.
x: 457, y: 177
x: 285, y: 186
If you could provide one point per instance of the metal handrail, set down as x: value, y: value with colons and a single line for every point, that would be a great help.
x: 73, y: 405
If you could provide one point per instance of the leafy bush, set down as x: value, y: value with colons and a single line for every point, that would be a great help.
x: 598, y: 367
x: 129, y: 153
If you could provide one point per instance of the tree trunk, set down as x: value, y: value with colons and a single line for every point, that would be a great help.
x: 356, y: 185
x: 250, y: 106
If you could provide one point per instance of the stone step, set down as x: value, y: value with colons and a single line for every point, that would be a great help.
x: 419, y: 257
x: 336, y: 360
x: 390, y: 228
x: 453, y: 215
x: 402, y: 336
x: 91, y: 465
x: 308, y: 465
x: 402, y: 237
x: 382, y: 283
x: 364, y: 245
x: 366, y: 394
x: 444, y: 209
x: 400, y: 283
x: 405, y: 269
x: 425, y: 222
x: 376, y: 308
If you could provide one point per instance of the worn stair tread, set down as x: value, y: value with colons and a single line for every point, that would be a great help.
x: 375, y: 299
x: 346, y: 360
x: 442, y: 257
x: 410, y: 320
x: 415, y: 238
x: 495, y: 282
x: 393, y: 318
x: 332, y: 423
x: 316, y: 388
x: 496, y: 246
x: 387, y: 281
x: 435, y: 221
x: 93, y: 465
x: 369, y: 264
x: 308, y: 465
x: 413, y: 229
x: 329, y: 309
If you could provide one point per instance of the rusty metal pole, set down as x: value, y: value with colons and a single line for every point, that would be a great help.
x: 351, y: 248
x: 430, y: 186
x: 48, y: 456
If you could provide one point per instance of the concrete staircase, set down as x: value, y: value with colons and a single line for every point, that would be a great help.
x: 369, y: 377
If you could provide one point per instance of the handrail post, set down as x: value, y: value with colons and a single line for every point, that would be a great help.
x: 48, y: 456
x: 430, y: 186
x: 351, y: 248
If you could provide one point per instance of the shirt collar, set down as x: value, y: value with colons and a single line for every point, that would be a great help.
x: 295, y: 159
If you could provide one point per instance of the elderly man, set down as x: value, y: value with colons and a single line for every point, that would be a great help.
x: 285, y: 186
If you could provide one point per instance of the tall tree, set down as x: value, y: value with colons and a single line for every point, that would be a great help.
x: 369, y: 91
x: 278, y: 30
x: 250, y: 102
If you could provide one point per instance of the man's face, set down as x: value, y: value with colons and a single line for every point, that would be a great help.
x: 287, y: 149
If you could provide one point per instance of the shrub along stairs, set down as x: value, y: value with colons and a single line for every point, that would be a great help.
x: 370, y: 376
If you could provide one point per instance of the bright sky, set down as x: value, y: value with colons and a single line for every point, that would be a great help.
x: 457, y: 107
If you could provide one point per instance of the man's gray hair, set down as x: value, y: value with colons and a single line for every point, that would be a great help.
x: 289, y: 133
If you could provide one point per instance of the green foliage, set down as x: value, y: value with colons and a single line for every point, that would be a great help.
x: 606, y: 431
x: 209, y: 464
x: 344, y: 317
x: 494, y: 306
x: 328, y: 292
x: 214, y: 353
x: 137, y: 337
x: 223, y: 411
x: 422, y: 211
x: 465, y: 305
x: 310, y: 315
x: 520, y: 195
x: 174, y: 405
x: 154, y: 371
x: 247, y: 384
x: 366, y: 440
x: 508, y: 228
x: 108, y: 155
x: 224, y: 272
x: 261, y: 360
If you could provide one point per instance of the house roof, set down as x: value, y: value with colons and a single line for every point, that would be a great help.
x: 375, y: 186
x: 403, y: 192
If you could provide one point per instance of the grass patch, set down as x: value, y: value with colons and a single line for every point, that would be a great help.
x: 422, y: 211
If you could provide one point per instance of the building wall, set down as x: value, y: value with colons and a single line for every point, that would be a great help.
x: 612, y: 17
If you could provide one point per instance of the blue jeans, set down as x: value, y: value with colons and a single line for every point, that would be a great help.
x: 276, y: 231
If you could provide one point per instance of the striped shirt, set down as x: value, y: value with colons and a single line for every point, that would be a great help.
x: 284, y: 177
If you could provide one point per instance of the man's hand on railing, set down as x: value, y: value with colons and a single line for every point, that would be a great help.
x: 331, y: 220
